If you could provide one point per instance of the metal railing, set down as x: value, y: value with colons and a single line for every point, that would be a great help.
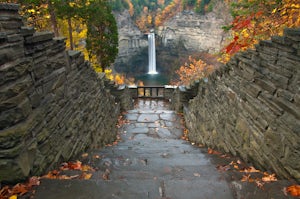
x: 151, y: 91
x: 161, y: 91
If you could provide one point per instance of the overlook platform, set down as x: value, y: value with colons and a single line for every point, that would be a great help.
x: 152, y: 161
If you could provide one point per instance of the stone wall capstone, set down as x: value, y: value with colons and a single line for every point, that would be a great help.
x: 251, y: 106
x: 53, y: 105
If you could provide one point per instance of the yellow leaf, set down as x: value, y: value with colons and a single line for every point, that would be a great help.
x: 86, y: 176
x: 13, y: 197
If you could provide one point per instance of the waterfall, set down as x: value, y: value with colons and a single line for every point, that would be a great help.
x: 151, y: 54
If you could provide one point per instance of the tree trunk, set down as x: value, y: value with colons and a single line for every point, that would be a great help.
x: 53, y: 19
x: 70, y: 33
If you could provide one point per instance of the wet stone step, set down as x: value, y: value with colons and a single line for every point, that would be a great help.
x: 152, y: 162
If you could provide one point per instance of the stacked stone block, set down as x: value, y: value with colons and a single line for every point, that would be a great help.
x: 251, y: 108
x: 53, y: 105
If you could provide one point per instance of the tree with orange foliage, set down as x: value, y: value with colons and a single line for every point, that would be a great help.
x: 194, y: 70
x: 259, y: 20
x: 131, y: 7
x: 168, y: 12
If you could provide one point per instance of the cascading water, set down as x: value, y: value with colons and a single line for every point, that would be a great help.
x: 151, y: 52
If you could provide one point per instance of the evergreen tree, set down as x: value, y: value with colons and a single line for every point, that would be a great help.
x: 102, y: 35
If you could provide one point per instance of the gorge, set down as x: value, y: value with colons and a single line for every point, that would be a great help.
x: 54, y: 105
x: 185, y: 34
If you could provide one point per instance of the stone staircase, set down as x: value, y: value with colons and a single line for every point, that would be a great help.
x: 152, y: 161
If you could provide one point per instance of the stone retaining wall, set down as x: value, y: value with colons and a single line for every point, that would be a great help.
x: 53, y: 105
x: 251, y: 106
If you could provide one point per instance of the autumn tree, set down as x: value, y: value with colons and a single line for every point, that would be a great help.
x: 259, y: 20
x: 195, y: 69
x: 168, y: 12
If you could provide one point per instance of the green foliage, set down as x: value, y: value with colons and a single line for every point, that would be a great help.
x: 95, y: 15
x: 200, y: 8
x: 102, y: 35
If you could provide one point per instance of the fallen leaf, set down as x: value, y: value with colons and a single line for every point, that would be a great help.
x: 72, y: 177
x: 223, y: 167
x: 13, y: 197
x: 20, y: 189
x: 211, y: 151
x: 86, y: 176
x: 105, y: 175
x: 293, y: 190
x: 34, y: 181
x: 225, y: 156
x: 85, y: 155
x: 71, y: 165
x: 247, y: 178
x: 87, y: 168
x: 269, y: 178
x: 5, y: 191
x: 250, y: 170
x: 51, y: 175
x: 259, y: 184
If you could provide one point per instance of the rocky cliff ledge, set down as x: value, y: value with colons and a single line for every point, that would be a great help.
x: 131, y: 39
x: 196, y: 32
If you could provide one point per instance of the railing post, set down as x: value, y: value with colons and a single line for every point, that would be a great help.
x: 154, y: 91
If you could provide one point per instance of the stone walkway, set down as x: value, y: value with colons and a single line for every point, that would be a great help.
x: 152, y: 162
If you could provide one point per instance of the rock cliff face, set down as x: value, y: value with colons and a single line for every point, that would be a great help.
x: 193, y: 32
x: 131, y: 39
x: 196, y: 32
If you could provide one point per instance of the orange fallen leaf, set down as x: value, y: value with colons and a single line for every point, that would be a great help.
x: 33, y: 181
x: 20, y: 189
x: 259, y: 184
x: 211, y: 151
x: 293, y: 190
x: 86, y: 176
x: 5, y: 191
x: 87, y: 168
x: 269, y: 178
x: 51, y: 175
x: 247, y: 178
x: 250, y: 170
